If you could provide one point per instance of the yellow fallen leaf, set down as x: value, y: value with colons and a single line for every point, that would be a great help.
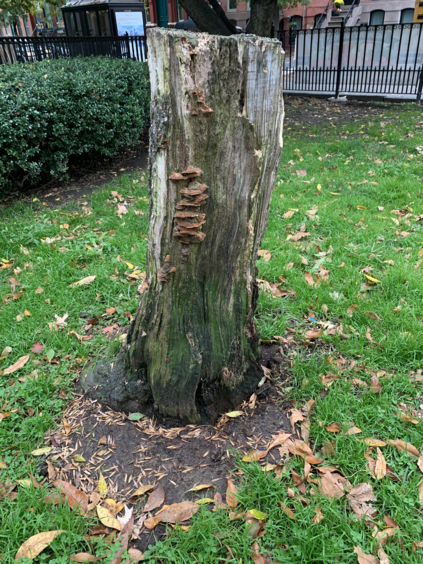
x: 27, y: 313
x: 374, y: 280
x: 204, y: 501
x: 234, y: 413
x: 107, y: 518
x: 143, y: 489
x: 102, y: 485
x: 201, y: 487
x: 78, y: 458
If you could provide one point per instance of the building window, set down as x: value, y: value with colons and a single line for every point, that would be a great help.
x: 407, y: 16
x: 147, y: 10
x: 377, y: 17
x: 180, y: 12
x: 231, y: 5
x: 296, y: 23
x: 317, y: 20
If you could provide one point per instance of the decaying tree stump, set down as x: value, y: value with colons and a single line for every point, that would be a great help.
x: 215, y: 144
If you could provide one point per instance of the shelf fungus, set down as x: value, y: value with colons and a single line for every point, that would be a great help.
x: 166, y: 269
x: 201, y: 110
x: 188, y: 220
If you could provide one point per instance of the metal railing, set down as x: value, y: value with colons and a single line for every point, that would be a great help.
x: 379, y: 60
x: 31, y: 49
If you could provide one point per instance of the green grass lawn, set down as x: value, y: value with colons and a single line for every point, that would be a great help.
x: 354, y: 279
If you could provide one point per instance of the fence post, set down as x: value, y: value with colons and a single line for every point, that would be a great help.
x: 340, y: 52
x: 420, y: 87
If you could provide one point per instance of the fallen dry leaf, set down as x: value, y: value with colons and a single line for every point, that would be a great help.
x: 333, y: 484
x: 155, y: 499
x: 313, y: 334
x: 374, y: 442
x: 121, y: 210
x: 85, y: 557
x: 309, y: 278
x: 420, y: 490
x: 334, y: 428
x: 17, y: 366
x: 417, y: 545
x: 288, y: 214
x: 142, y: 490
x: 81, y: 338
x: 383, y: 556
x: 73, y: 496
x: 135, y: 555
x: 296, y: 416
x: 151, y: 523
x: 177, y: 512
x: 265, y: 254
x: 375, y: 385
x: 287, y: 511
x: 353, y: 431
x: 36, y: 544
x: 254, y: 455
x: 402, y: 445
x: 380, y: 469
x: 298, y: 236
x: 83, y: 281
x: 39, y: 290
x: 382, y: 537
x: 358, y: 497
x: 107, y: 518
x: 231, y: 497
x: 319, y: 515
x: 364, y: 558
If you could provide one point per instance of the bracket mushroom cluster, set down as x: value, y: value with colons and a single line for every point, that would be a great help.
x: 188, y: 220
x: 201, y: 110
x: 166, y: 269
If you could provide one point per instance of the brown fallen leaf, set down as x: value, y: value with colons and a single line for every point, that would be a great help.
x: 319, y: 515
x: 420, y: 490
x: 256, y: 556
x: 107, y: 518
x: 364, y: 558
x: 151, y: 523
x: 312, y: 334
x: 155, y: 499
x: 383, y: 556
x: 353, y: 431
x: 287, y: 511
x: 135, y: 555
x: 177, y: 512
x: 358, y: 497
x: 121, y: 210
x: 296, y: 416
x: 407, y: 418
x: 231, y: 497
x: 288, y: 214
x: 265, y: 254
x: 309, y: 278
x: 297, y: 236
x: 39, y: 290
x: 402, y: 445
x: 420, y: 463
x: 375, y: 385
x: 328, y: 379
x: 279, y: 440
x: 380, y: 469
x: 142, y: 490
x: 334, y: 428
x: 36, y: 544
x: 74, y: 497
x: 333, y: 485
x: 111, y: 310
x: 17, y: 366
x: 417, y: 545
x: 81, y: 338
x: 382, y: 537
x: 390, y: 522
x: 85, y: 557
x: 83, y: 281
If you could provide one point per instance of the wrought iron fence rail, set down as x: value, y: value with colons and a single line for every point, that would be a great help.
x: 32, y: 49
x: 377, y: 60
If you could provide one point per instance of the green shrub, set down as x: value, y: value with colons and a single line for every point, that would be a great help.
x: 53, y: 109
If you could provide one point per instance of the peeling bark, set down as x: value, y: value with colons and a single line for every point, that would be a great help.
x: 192, y: 347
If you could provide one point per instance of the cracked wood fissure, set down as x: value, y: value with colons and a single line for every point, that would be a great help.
x: 193, y: 347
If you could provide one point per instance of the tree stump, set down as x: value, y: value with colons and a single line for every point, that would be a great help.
x: 215, y: 145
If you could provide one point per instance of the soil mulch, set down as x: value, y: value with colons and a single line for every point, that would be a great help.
x: 153, y: 450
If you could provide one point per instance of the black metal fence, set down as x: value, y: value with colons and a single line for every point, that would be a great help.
x: 31, y: 49
x: 379, y: 60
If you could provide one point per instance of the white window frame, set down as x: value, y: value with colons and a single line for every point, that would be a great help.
x: 228, y: 6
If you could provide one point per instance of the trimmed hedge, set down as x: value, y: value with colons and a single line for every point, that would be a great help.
x: 53, y: 109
